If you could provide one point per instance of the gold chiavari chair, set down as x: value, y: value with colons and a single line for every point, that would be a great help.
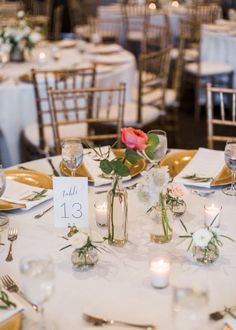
x: 107, y: 28
x: 198, y: 71
x: 149, y: 100
x: 72, y: 107
x: 156, y: 37
x: 135, y: 18
x: 38, y: 137
x: 221, y: 114
x: 204, y: 12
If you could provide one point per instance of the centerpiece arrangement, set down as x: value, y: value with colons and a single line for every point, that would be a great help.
x: 205, y: 243
x: 162, y: 201
x: 138, y: 145
x: 15, y: 39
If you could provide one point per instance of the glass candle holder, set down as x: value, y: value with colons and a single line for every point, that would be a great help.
x: 190, y: 308
x: 101, y: 213
x: 42, y: 58
x: 160, y: 271
x: 212, y: 213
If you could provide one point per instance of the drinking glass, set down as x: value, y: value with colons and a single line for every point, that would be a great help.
x: 38, y: 283
x: 4, y: 221
x: 190, y: 308
x: 161, y: 148
x: 72, y: 153
x: 230, y: 160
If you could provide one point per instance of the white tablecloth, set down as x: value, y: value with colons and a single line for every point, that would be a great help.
x: 219, y: 46
x: 17, y: 104
x: 119, y: 285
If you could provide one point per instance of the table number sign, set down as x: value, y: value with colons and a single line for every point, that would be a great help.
x: 70, y: 197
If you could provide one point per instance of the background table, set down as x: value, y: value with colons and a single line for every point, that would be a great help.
x: 119, y: 285
x: 219, y: 46
x: 17, y: 103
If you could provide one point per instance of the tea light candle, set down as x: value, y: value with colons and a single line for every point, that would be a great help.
x: 160, y: 271
x: 212, y: 211
x: 101, y: 214
x: 41, y: 58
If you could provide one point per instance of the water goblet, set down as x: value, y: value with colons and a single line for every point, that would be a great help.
x: 161, y: 148
x: 4, y: 221
x: 230, y: 160
x: 38, y: 284
x: 72, y: 153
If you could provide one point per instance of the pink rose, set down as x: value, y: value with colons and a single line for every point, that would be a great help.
x: 178, y: 191
x: 134, y: 138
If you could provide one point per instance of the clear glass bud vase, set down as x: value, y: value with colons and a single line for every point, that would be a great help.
x: 162, y: 218
x: 206, y: 255
x: 117, y: 207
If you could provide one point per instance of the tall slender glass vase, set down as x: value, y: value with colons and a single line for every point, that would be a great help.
x: 117, y: 205
x: 161, y: 215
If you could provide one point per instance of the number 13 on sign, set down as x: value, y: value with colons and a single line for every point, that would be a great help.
x: 70, y: 201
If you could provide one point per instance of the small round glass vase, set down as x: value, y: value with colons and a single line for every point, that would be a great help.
x: 84, y: 260
x: 161, y: 227
x: 206, y: 255
x: 178, y: 209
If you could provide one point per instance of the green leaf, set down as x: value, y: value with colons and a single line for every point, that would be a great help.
x: 105, y: 166
x: 149, y: 153
x: 153, y: 140
x: 132, y: 156
x: 120, y: 168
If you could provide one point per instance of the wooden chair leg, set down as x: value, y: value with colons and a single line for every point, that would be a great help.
x: 196, y: 103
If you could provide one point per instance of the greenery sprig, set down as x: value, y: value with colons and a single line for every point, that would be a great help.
x: 35, y: 196
x: 5, y: 302
x: 196, y: 178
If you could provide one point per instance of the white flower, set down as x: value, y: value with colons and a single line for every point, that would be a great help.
x: 34, y: 37
x: 202, y: 237
x: 78, y: 240
x: 152, y: 184
x: 20, y: 14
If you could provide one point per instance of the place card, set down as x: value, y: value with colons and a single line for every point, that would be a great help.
x: 70, y: 197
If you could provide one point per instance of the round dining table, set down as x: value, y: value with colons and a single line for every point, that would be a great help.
x: 119, y: 285
x: 17, y: 101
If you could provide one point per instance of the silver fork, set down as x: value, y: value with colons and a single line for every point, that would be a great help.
x: 12, y: 236
x: 11, y: 286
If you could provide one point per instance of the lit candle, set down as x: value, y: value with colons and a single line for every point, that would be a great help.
x: 101, y: 214
x: 212, y: 215
x: 160, y: 271
x: 41, y: 58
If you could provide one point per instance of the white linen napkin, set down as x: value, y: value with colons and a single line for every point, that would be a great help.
x: 206, y: 163
x: 7, y: 314
x: 21, y: 194
x: 93, y: 167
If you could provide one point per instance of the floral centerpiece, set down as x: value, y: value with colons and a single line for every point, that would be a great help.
x: 138, y: 145
x: 85, y: 249
x: 19, y: 37
x: 161, y: 197
x: 205, y: 243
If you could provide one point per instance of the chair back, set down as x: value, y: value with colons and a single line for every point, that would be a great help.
x: 107, y: 28
x: 56, y: 79
x: 73, y: 107
x: 153, y: 73
x: 204, y: 13
x: 156, y: 37
x: 221, y: 113
x: 135, y: 17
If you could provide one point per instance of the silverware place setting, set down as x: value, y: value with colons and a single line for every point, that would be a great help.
x: 55, y: 172
x: 12, y: 236
x: 102, y: 321
x: 11, y: 286
x: 41, y: 214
